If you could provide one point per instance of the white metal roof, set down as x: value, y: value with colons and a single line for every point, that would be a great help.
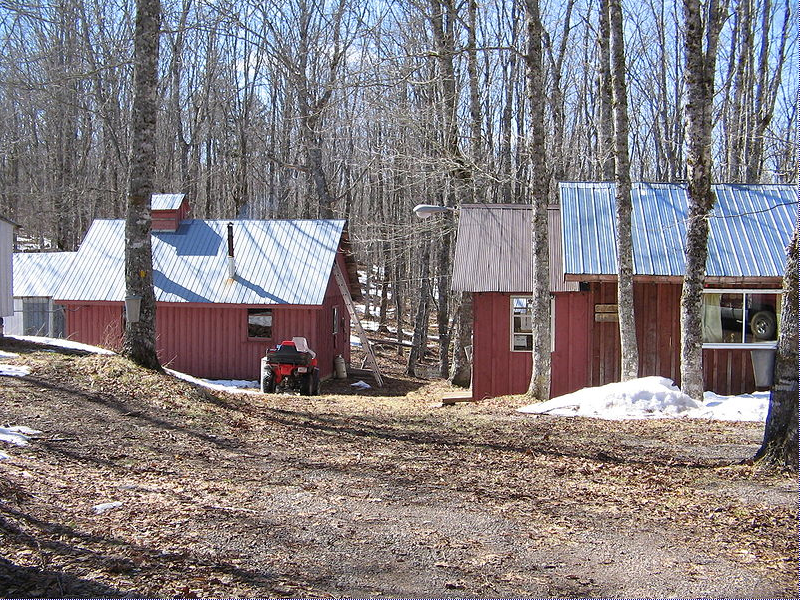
x: 38, y: 274
x: 278, y: 262
x: 166, y: 201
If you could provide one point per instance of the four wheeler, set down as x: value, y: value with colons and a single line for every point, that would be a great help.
x: 291, y: 366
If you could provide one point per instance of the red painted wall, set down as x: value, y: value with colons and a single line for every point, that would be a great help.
x: 211, y: 340
x: 587, y: 353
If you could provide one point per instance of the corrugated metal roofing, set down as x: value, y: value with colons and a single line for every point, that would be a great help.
x: 38, y: 274
x: 493, y: 249
x: 278, y: 262
x: 166, y: 201
x: 749, y: 229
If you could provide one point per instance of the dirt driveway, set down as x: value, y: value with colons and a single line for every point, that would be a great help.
x: 366, y: 496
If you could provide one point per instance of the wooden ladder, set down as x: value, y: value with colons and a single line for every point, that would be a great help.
x: 363, y: 337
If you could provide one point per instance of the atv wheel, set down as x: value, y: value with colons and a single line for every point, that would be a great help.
x: 315, y: 389
x: 269, y: 382
x: 306, y: 384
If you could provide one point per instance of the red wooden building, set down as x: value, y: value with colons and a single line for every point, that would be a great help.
x: 225, y: 291
x: 749, y: 230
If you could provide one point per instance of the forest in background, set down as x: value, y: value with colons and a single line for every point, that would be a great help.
x: 334, y: 108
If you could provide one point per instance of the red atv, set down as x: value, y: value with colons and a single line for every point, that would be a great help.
x: 291, y: 366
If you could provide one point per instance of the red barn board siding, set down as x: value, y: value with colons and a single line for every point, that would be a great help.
x: 587, y: 353
x: 211, y: 340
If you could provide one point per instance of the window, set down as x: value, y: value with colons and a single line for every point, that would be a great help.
x: 336, y: 320
x: 521, y: 323
x: 260, y: 323
x: 740, y: 318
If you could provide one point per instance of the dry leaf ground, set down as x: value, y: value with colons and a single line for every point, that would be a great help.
x: 376, y: 494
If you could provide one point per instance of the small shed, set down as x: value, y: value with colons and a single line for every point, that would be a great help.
x: 36, y: 275
x: 225, y: 290
x: 750, y: 227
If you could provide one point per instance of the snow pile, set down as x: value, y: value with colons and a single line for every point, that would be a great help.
x: 651, y: 398
x: 746, y: 407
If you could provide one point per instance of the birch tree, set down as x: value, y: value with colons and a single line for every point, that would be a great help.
x: 623, y: 197
x: 702, y: 28
x: 139, y: 344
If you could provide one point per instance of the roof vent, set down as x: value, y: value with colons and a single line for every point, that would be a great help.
x: 232, y: 265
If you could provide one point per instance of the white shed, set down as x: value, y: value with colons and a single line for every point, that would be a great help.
x: 7, y: 228
x: 37, y: 274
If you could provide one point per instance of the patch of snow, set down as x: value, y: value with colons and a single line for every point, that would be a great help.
x: 9, y: 370
x: 651, y: 398
x: 102, y: 508
x: 63, y: 343
x: 4, y: 456
x: 233, y: 386
x: 17, y: 434
x: 746, y: 407
x: 8, y: 354
x: 360, y: 385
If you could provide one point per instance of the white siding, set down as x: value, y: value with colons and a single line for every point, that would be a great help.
x: 6, y: 270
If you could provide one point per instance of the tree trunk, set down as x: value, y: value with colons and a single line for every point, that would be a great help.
x: 540, y: 382
x: 419, y: 338
x: 623, y: 198
x: 700, y: 62
x: 604, y: 109
x: 140, y: 337
x: 781, y: 436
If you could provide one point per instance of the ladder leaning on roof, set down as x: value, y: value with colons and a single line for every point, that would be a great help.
x: 349, y: 303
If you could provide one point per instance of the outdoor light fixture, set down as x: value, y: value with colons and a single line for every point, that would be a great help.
x: 426, y: 211
x: 132, y: 305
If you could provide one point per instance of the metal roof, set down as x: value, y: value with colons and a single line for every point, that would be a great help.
x: 494, y: 246
x: 278, y: 262
x: 749, y: 229
x: 166, y: 201
x: 38, y: 274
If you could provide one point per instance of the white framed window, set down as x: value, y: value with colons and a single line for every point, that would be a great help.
x: 521, y: 338
x: 741, y: 318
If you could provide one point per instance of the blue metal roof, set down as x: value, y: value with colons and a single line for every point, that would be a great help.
x: 749, y: 229
x: 278, y: 262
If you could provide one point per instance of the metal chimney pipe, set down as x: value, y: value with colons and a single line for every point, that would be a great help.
x: 232, y: 267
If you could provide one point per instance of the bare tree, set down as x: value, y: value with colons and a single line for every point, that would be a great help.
x: 540, y: 382
x: 623, y: 198
x: 604, y: 104
x: 701, y: 42
x: 139, y: 344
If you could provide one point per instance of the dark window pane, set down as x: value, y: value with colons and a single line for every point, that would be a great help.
x: 260, y: 323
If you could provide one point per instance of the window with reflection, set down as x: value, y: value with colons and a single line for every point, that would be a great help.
x: 740, y: 317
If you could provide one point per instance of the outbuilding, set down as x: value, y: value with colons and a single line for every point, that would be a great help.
x: 7, y: 231
x: 749, y: 230
x: 225, y: 290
